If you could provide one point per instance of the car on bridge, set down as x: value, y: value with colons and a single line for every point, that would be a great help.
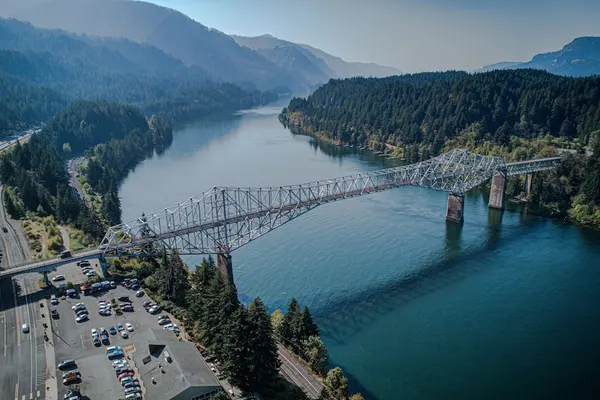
x: 65, y: 254
x: 25, y: 328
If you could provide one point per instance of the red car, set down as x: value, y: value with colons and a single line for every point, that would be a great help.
x: 124, y: 374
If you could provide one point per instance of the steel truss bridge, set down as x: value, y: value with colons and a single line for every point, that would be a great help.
x: 224, y: 219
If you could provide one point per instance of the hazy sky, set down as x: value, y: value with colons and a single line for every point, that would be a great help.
x: 412, y: 35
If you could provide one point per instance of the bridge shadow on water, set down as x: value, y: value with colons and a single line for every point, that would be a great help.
x: 344, y: 318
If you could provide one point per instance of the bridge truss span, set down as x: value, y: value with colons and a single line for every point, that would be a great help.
x: 226, y: 218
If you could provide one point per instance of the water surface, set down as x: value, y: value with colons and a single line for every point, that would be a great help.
x: 410, y: 306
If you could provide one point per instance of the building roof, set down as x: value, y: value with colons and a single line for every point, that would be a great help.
x: 185, y: 372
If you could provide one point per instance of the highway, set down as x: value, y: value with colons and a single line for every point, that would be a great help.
x: 22, y: 355
x: 21, y: 137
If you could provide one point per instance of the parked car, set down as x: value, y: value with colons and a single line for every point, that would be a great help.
x: 164, y: 321
x: 66, y: 364
x: 54, y: 313
x: 96, y: 341
x: 78, y: 305
x: 82, y: 318
x: 112, y: 330
x: 139, y: 293
x: 53, y: 300
x: 58, y: 278
x: 129, y: 326
x: 65, y: 254
x: 119, y: 326
x: 124, y: 335
x: 115, y: 354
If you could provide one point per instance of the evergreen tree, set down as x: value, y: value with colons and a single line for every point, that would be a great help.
x: 172, y: 279
x: 308, y: 326
x: 263, y: 347
x: 237, y: 355
x: 291, y: 328
x: 111, y: 205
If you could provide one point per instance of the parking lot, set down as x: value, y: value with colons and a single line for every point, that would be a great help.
x: 74, y: 340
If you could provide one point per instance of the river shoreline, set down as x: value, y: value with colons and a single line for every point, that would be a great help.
x: 295, y: 128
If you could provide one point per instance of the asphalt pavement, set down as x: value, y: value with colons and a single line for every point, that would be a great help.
x: 22, y: 355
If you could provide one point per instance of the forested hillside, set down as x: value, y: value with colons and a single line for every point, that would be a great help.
x: 36, y: 182
x: 42, y: 70
x: 518, y: 114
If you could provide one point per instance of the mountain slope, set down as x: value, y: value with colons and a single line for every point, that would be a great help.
x: 166, y: 29
x: 579, y: 58
x: 331, y: 66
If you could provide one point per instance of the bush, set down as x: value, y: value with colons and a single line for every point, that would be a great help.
x: 70, y: 285
x: 54, y: 245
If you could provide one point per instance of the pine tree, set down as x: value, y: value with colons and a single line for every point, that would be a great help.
x: 308, y: 326
x: 292, y: 323
x: 236, y: 362
x: 262, y: 343
x: 111, y: 205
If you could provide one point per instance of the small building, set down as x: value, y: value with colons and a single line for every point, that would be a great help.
x: 171, y: 369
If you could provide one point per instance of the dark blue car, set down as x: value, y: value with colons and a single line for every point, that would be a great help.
x: 112, y: 330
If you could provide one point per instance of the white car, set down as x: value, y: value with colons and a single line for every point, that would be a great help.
x: 58, y: 278
x: 25, y: 328
x: 120, y: 364
x: 124, y: 334
x: 77, y: 306
x: 94, y: 332
x: 82, y: 318
x: 129, y: 327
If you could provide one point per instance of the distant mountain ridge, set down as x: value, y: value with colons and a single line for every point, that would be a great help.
x: 279, y: 64
x: 579, y: 58
x: 328, y: 65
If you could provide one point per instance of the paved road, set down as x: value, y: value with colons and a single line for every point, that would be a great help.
x: 72, y: 167
x: 297, y: 374
x: 22, y: 355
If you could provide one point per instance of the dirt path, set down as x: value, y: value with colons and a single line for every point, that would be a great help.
x: 64, y: 232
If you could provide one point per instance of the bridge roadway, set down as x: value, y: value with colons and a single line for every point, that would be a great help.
x: 235, y: 216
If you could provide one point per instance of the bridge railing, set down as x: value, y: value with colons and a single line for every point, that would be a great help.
x: 74, y: 254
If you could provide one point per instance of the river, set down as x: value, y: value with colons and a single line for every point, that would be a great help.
x: 411, y: 307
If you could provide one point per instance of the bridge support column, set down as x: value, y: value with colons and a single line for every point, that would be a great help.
x: 46, y: 280
x: 456, y: 208
x: 527, y: 184
x: 497, y: 191
x: 103, y: 266
x: 225, y: 267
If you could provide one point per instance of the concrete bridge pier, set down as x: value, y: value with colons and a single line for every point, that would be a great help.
x: 225, y: 266
x: 527, y: 184
x: 498, y: 190
x: 103, y: 266
x: 456, y: 208
x: 45, y: 277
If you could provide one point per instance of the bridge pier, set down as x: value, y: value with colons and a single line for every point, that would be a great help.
x: 103, y: 266
x: 456, y: 208
x: 498, y: 190
x: 527, y: 184
x: 45, y: 277
x: 225, y: 267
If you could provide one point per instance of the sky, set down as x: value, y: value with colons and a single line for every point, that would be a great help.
x: 411, y: 35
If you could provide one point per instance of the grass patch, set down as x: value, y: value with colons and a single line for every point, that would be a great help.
x: 44, y: 236
x: 79, y: 240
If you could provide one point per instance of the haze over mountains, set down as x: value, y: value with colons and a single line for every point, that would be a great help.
x: 579, y: 58
x: 285, y: 64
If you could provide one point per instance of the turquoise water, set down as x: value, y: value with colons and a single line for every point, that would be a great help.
x: 410, y: 306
